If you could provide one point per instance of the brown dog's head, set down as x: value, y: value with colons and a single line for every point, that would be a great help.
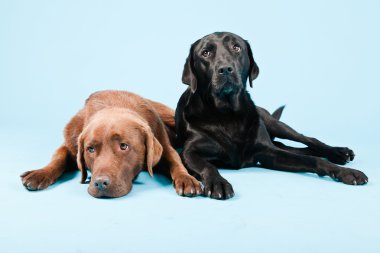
x: 219, y: 65
x: 115, y: 146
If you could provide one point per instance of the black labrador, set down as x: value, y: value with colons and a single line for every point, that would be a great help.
x: 218, y: 124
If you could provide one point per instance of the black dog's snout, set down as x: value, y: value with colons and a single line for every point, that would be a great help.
x: 225, y: 70
x: 101, y: 183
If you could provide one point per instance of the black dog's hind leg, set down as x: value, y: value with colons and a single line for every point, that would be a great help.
x: 276, y: 128
x: 215, y: 186
x: 277, y: 159
x: 299, y: 151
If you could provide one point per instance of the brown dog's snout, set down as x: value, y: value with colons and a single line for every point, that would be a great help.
x: 101, y: 183
x: 225, y: 70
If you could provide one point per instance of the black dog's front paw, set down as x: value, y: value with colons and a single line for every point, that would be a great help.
x: 218, y: 188
x: 350, y: 176
x: 340, y: 155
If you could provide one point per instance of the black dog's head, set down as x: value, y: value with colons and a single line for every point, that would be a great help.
x: 219, y: 64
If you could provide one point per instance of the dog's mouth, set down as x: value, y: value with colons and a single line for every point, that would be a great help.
x: 225, y: 86
x: 226, y: 96
x: 115, y: 191
x: 225, y: 89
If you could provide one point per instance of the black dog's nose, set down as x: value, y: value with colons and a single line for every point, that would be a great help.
x: 101, y: 182
x: 225, y: 70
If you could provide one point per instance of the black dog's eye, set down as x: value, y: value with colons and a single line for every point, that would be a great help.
x: 206, y: 53
x: 90, y: 149
x: 236, y: 48
x: 123, y: 146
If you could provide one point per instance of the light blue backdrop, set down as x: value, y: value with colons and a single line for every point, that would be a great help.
x: 320, y: 58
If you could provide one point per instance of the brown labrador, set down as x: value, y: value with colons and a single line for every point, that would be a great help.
x: 115, y: 136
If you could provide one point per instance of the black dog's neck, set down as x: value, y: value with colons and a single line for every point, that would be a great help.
x: 202, y: 103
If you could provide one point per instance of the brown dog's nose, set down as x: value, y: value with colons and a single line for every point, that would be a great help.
x: 101, y: 183
x: 225, y: 70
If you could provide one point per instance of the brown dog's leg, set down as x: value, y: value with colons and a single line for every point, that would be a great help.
x: 42, y: 178
x: 183, y: 182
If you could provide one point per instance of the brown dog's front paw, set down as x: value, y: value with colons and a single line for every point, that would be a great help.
x: 186, y: 185
x: 350, y: 176
x: 340, y: 155
x: 36, y: 179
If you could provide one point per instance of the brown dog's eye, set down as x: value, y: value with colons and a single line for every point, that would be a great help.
x: 123, y: 146
x: 206, y: 53
x: 236, y: 48
x: 90, y: 149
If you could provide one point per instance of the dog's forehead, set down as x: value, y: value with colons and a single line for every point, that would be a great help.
x: 219, y: 38
x: 113, y: 128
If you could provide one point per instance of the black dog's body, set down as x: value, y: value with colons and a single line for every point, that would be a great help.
x: 218, y: 125
x: 224, y: 138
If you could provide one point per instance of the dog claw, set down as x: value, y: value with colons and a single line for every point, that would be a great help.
x: 209, y: 194
x: 340, y: 155
x: 354, y: 182
x: 220, y: 195
x: 228, y: 196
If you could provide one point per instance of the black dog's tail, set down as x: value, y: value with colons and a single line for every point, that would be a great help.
x: 277, y: 113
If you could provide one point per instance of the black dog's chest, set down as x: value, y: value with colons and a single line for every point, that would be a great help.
x: 227, y: 138
x: 233, y: 137
x: 232, y: 134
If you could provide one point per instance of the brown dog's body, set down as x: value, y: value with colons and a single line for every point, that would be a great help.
x: 115, y: 136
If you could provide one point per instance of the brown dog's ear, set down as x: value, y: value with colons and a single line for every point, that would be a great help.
x: 80, y: 159
x: 253, y: 68
x: 153, y: 150
x: 188, y: 74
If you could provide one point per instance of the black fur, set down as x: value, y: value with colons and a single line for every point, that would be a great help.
x: 218, y: 124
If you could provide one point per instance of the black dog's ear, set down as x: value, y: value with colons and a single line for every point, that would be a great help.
x: 188, y: 74
x: 253, y: 68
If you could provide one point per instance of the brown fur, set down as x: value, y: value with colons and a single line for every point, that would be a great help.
x: 108, y: 119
